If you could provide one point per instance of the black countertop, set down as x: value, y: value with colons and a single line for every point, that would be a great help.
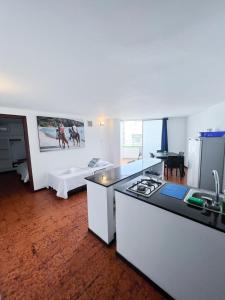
x: 115, y: 175
x: 179, y: 207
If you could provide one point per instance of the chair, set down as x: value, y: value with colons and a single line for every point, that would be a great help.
x: 181, y: 163
x: 171, y: 163
x: 175, y: 162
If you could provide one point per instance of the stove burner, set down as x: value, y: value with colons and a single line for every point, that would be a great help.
x: 150, y: 182
x: 141, y: 188
x: 147, y: 182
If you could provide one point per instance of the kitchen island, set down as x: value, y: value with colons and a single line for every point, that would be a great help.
x: 101, y: 196
x: 178, y: 247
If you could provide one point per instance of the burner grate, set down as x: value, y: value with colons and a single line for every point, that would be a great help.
x: 145, y: 187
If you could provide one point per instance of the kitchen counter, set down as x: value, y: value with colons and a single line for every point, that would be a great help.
x: 178, y: 247
x: 179, y: 207
x: 115, y: 175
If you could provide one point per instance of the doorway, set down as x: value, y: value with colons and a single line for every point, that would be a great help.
x: 14, y: 147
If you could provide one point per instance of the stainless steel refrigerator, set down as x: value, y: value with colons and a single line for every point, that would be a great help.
x: 205, y: 155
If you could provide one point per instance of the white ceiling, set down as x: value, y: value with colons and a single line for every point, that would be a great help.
x: 125, y: 59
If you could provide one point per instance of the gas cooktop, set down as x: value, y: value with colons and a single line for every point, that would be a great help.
x: 145, y: 186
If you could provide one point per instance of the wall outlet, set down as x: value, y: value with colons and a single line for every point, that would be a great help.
x: 89, y: 123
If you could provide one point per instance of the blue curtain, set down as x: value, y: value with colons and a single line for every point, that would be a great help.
x: 164, y: 141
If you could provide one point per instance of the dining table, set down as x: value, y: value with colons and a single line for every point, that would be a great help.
x: 165, y: 155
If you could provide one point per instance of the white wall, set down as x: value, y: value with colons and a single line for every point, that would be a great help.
x: 177, y: 134
x: 101, y: 141
x: 211, y: 118
x: 43, y: 162
x: 112, y: 138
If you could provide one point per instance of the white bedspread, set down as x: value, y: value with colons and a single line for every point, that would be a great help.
x: 22, y: 170
x: 66, y: 180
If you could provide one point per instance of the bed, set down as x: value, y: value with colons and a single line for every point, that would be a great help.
x: 22, y: 170
x: 66, y: 180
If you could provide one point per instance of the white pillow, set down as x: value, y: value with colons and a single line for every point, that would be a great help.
x: 93, y: 162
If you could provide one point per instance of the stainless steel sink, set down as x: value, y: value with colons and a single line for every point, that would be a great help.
x: 206, y: 196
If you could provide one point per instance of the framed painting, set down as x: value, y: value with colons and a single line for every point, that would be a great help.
x: 60, y: 133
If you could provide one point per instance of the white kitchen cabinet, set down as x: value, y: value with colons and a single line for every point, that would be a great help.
x: 101, y: 212
x: 185, y: 258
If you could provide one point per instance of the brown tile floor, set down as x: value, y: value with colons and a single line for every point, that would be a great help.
x: 46, y: 251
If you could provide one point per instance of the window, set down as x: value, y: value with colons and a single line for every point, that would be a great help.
x: 136, y: 139
x: 139, y: 139
x: 131, y: 140
x: 152, y: 133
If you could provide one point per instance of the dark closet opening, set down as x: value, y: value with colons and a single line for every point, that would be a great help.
x: 14, y: 140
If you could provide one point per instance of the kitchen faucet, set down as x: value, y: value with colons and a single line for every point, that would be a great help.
x: 216, y: 202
